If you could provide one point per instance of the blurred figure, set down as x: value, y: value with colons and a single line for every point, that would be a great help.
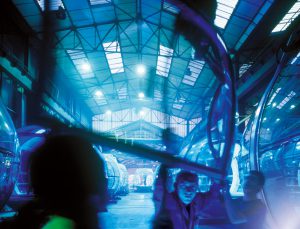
x: 69, y: 184
x: 186, y: 207
x: 248, y: 212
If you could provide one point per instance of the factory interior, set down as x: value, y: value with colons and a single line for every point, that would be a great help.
x: 158, y: 88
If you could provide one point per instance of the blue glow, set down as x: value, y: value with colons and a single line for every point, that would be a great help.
x: 40, y: 131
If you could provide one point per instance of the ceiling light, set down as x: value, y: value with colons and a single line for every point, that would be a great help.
x: 142, y: 113
x: 86, y: 67
x: 274, y: 104
x: 292, y: 106
x: 141, y: 95
x: 278, y: 119
x: 141, y: 69
x: 98, y: 93
x: 264, y: 119
x: 108, y: 112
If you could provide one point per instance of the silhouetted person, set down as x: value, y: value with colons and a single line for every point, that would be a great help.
x: 68, y: 181
x: 248, y: 212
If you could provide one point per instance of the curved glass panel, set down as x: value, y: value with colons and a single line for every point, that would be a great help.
x: 278, y: 150
x: 9, y: 155
x: 218, y: 120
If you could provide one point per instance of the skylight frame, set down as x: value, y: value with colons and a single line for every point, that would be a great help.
x: 286, y: 100
x: 122, y: 93
x: 178, y: 104
x: 99, y: 97
x: 224, y: 11
x: 288, y: 18
x: 53, y: 5
x: 274, y: 95
x: 244, y: 68
x: 99, y: 2
x: 170, y: 8
x: 79, y: 58
x: 295, y: 59
x: 114, y: 57
x: 164, y: 60
x: 195, y: 67
x: 157, y: 95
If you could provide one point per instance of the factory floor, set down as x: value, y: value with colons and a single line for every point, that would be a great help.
x: 133, y: 211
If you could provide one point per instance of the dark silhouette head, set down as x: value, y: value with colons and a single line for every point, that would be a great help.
x: 66, y: 172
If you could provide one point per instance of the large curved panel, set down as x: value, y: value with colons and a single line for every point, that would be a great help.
x: 9, y: 155
x: 274, y: 145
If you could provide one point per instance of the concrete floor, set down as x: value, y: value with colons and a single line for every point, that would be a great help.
x: 132, y: 211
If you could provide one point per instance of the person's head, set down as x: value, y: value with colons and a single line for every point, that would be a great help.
x: 186, y: 186
x: 253, y: 182
x: 67, y: 171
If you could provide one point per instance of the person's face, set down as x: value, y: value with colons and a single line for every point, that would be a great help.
x: 187, y: 191
x: 251, y: 185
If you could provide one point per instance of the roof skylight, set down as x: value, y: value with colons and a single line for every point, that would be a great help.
x: 286, y: 99
x: 164, y: 61
x: 122, y: 93
x: 243, y: 69
x: 273, y: 96
x: 224, y: 11
x: 178, y: 104
x: 99, y: 97
x: 170, y: 8
x: 53, y: 5
x: 99, y: 2
x: 288, y: 18
x: 157, y: 95
x: 194, y: 69
x: 296, y: 58
x: 81, y: 63
x: 101, y: 101
x: 114, y: 57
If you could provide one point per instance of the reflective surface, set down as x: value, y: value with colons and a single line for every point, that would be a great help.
x: 30, y: 137
x: 271, y: 145
x: 279, y: 148
x: 9, y: 155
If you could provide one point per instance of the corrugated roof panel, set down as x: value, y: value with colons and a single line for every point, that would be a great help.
x: 288, y: 18
x: 224, y: 11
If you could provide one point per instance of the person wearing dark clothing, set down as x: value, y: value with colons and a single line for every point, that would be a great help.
x: 185, y: 207
x: 68, y: 181
x: 248, y: 212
